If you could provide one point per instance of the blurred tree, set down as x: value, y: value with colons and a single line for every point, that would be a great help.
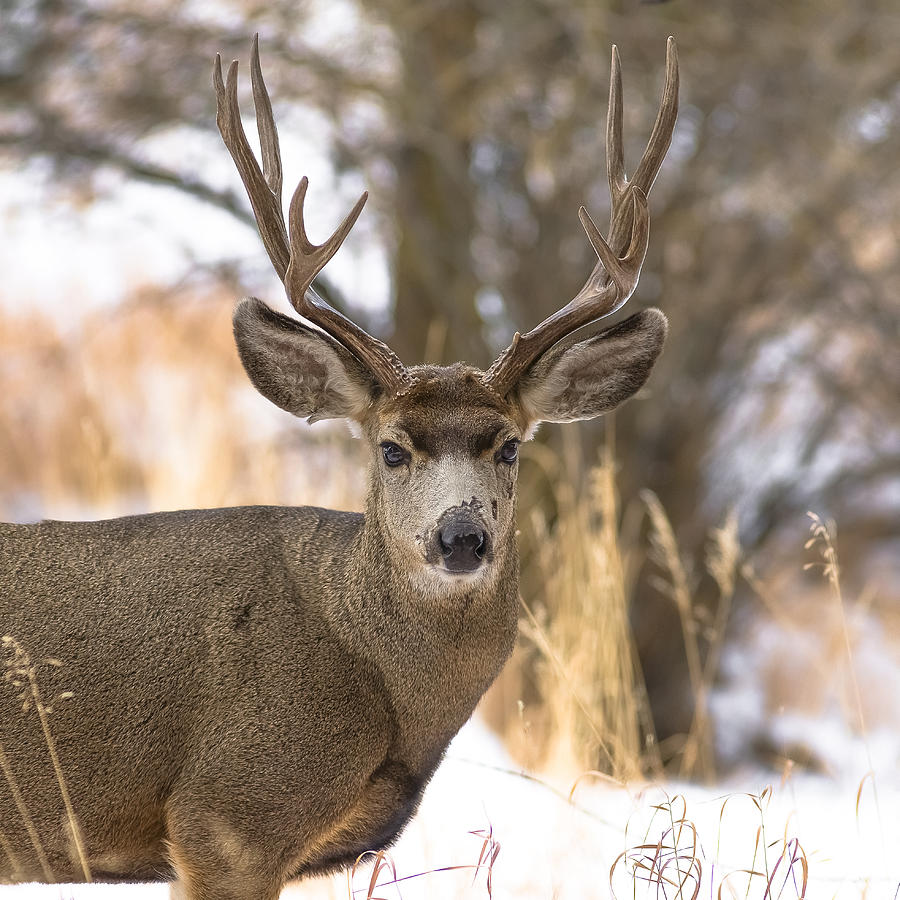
x: 479, y: 127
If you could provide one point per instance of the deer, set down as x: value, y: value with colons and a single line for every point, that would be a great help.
x: 261, y: 694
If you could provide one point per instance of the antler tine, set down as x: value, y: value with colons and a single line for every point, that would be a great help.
x: 615, y: 151
x: 609, y: 285
x: 657, y: 146
x: 614, y: 277
x: 627, y: 269
x: 296, y: 259
x: 265, y: 125
x: 661, y: 135
x: 307, y: 260
x: 265, y: 202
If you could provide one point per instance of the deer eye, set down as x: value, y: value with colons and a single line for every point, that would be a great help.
x: 509, y: 452
x: 394, y: 454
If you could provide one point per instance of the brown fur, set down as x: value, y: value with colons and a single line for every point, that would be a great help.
x: 263, y: 693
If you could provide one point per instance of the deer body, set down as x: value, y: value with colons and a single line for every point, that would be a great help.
x: 231, y: 717
x: 262, y: 693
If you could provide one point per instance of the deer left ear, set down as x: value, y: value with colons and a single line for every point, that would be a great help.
x: 301, y: 370
x: 573, y: 381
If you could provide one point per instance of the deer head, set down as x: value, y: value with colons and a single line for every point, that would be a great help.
x: 444, y: 440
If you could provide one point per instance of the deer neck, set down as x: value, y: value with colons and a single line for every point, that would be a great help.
x: 436, y: 653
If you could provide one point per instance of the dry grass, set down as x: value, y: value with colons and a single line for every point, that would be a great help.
x: 21, y: 674
x: 669, y: 852
x: 27, y: 822
x: 592, y: 710
x: 383, y: 874
x: 703, y: 634
x: 588, y: 673
x: 146, y: 408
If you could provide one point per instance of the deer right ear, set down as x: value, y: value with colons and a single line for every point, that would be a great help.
x: 301, y: 370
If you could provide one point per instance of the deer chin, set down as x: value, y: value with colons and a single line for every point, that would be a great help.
x: 436, y: 580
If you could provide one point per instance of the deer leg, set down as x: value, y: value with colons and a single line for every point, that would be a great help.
x: 214, y: 888
x: 212, y: 862
x: 196, y: 882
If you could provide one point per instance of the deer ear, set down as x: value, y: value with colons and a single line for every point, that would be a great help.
x: 582, y: 380
x: 303, y: 371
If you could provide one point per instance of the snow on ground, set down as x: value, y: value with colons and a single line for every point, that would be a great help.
x: 551, y: 849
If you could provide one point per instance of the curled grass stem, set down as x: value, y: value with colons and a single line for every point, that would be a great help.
x: 21, y: 666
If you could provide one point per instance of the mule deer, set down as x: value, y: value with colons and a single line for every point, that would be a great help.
x: 263, y: 693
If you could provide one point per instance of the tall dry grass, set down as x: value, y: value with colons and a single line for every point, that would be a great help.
x: 590, y: 709
x: 586, y: 706
x: 596, y: 713
x: 21, y: 673
x: 146, y: 407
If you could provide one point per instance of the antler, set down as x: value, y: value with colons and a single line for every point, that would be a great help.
x: 614, y: 277
x: 295, y: 258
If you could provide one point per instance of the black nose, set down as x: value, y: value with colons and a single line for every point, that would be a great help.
x: 463, y: 545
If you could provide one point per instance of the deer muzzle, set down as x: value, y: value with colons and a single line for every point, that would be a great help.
x: 462, y: 541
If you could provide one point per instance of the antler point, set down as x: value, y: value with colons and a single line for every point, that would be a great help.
x: 614, y: 278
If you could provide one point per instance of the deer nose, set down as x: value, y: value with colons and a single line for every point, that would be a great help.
x: 463, y: 545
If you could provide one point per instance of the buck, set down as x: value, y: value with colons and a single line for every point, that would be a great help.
x: 262, y: 693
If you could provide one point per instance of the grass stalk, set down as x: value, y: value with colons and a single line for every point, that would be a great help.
x: 697, y: 752
x: 822, y: 536
x: 27, y: 821
x: 595, y: 702
x: 9, y: 853
x: 23, y: 666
